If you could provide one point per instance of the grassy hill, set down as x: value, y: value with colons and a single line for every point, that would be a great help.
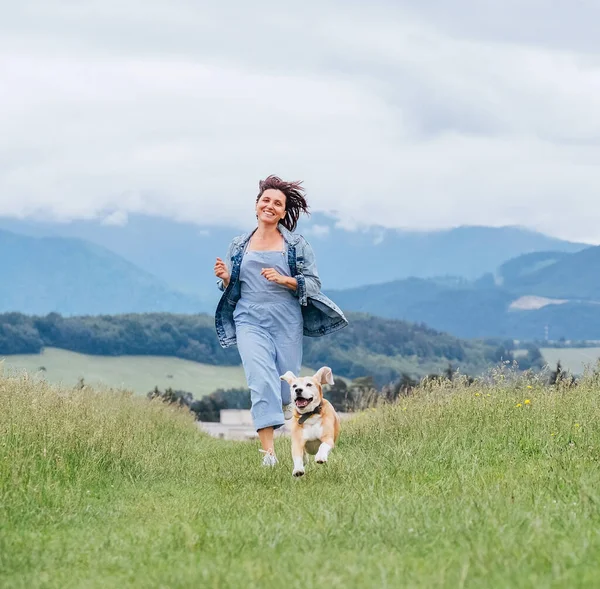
x: 72, y: 276
x: 139, y: 374
x: 489, y: 486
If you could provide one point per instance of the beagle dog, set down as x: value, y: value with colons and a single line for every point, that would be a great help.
x: 315, y: 425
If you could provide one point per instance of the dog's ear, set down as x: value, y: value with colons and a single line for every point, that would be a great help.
x: 324, y: 375
x: 289, y: 376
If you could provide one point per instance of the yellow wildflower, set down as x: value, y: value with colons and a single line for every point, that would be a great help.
x: 529, y: 386
x: 478, y: 394
x: 553, y: 434
x: 519, y: 405
x: 527, y: 401
x: 576, y: 425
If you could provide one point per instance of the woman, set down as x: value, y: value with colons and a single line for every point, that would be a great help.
x: 271, y: 299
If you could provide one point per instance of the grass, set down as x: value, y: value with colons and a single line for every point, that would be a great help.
x: 417, y: 366
x: 139, y: 374
x: 453, y: 487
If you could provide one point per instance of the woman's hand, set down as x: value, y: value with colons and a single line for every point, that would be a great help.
x: 273, y: 276
x: 222, y: 272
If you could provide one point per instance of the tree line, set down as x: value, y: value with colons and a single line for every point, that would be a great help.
x: 381, y: 348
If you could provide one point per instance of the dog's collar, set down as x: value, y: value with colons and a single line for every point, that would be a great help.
x: 315, y: 411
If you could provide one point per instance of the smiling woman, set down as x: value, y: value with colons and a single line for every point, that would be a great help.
x: 271, y: 299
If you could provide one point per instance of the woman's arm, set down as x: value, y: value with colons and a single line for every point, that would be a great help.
x: 308, y: 283
x: 272, y: 275
x: 221, y: 285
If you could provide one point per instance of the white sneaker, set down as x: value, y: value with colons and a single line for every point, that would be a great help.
x: 288, y: 411
x: 269, y: 459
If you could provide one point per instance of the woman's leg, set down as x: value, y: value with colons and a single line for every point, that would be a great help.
x: 258, y: 354
x: 289, y: 357
x: 265, y: 435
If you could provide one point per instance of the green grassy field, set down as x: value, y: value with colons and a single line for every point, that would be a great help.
x: 139, y: 374
x: 572, y: 359
x: 487, y: 486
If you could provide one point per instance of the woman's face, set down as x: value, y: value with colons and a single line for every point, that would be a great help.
x: 270, y: 208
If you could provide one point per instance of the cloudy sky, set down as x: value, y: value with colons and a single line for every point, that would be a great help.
x: 399, y: 113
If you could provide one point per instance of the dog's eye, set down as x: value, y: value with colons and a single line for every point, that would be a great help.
x: 294, y: 386
x: 309, y: 384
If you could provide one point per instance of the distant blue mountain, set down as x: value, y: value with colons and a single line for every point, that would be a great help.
x: 555, y: 275
x: 533, y: 294
x: 182, y: 254
x: 75, y: 277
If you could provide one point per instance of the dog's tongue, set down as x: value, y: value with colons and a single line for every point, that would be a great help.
x: 301, y: 402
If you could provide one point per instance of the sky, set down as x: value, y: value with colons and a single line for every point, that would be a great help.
x: 415, y: 115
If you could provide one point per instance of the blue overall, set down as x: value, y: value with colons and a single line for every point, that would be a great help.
x: 269, y: 325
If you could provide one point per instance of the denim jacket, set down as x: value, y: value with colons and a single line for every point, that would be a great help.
x: 321, y: 315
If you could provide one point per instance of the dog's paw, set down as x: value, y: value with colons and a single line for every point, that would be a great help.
x: 323, y: 453
x: 298, y: 472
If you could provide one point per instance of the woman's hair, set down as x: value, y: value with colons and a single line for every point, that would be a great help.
x: 295, y: 203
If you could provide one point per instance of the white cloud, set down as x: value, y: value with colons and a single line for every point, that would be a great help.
x: 118, y: 218
x: 393, y: 114
x: 317, y: 230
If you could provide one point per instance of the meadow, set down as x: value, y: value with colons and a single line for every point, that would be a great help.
x: 139, y: 374
x: 491, y: 485
x: 574, y: 360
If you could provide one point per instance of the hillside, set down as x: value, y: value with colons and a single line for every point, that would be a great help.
x: 565, y: 276
x: 182, y: 254
x: 72, y: 276
x: 462, y: 309
x: 139, y: 374
x: 369, y: 346
x: 399, y: 299
x: 551, y: 292
x: 494, y: 486
x: 475, y: 310
x: 522, y: 267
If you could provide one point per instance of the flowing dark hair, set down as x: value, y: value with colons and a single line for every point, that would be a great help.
x: 295, y: 203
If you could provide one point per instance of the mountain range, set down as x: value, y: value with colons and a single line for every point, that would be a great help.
x: 182, y: 254
x: 72, y: 276
x: 468, y: 281
x: 532, y: 296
